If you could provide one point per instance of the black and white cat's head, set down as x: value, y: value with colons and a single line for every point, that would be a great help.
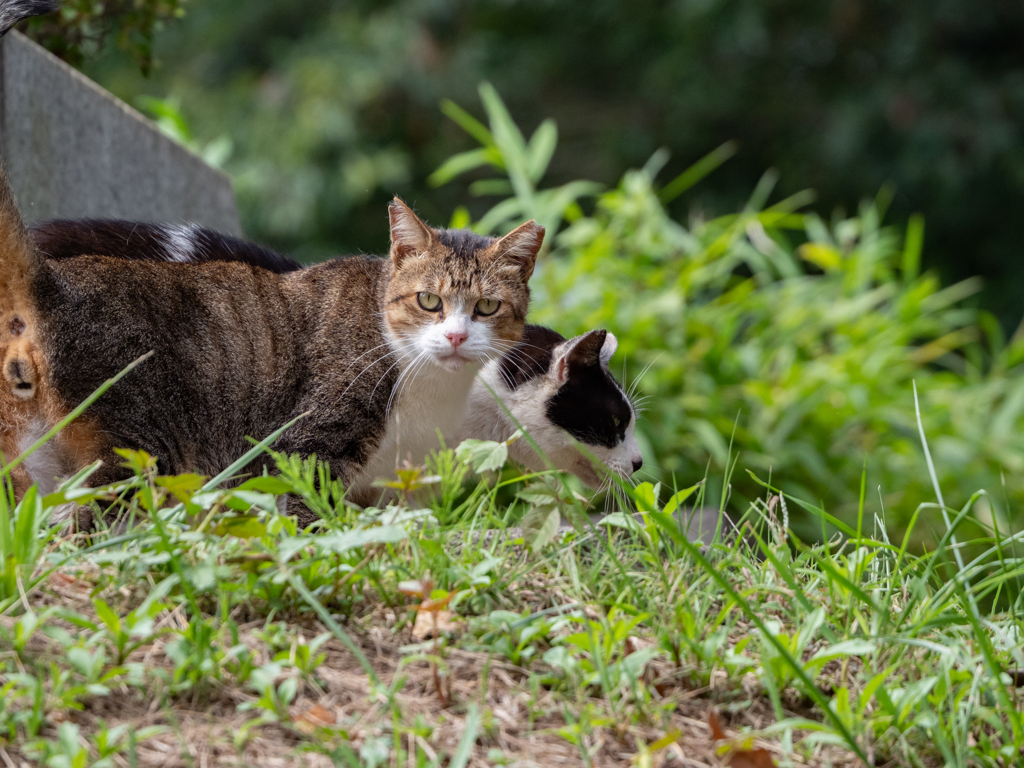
x: 563, y: 394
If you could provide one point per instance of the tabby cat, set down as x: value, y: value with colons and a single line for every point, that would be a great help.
x: 379, y: 353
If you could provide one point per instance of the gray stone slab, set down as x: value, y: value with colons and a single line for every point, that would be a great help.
x: 72, y: 150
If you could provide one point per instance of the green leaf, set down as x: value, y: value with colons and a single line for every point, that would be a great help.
x: 538, y: 495
x: 678, y: 498
x: 500, y: 214
x: 912, y: 247
x: 510, y: 143
x: 809, y: 628
x: 540, y: 525
x: 483, y: 455
x: 469, y: 734
x: 698, y: 171
x: 620, y: 520
x: 869, y: 690
x: 542, y: 147
x: 635, y: 663
x: 855, y: 647
x: 182, y: 486
x: 456, y: 165
x: 241, y: 526
x: 460, y: 218
x: 467, y: 122
x: 338, y: 541
x: 74, y: 488
x: 497, y: 187
x: 646, y: 497
x: 107, y: 615
x: 821, y: 255
x: 272, y: 485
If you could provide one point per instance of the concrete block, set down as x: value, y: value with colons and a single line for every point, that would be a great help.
x: 72, y: 150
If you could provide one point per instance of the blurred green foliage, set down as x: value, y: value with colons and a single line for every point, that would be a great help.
x: 795, y: 338
x: 332, y: 106
x: 82, y: 27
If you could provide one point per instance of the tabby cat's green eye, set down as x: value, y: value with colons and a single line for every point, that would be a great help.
x: 429, y: 301
x: 487, y: 306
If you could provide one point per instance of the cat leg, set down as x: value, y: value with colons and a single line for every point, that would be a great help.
x: 83, y: 443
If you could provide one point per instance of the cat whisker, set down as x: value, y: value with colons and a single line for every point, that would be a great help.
x: 383, y: 376
x: 636, y: 381
x: 403, y: 376
x: 397, y: 348
x: 518, y: 362
x: 407, y: 375
x: 368, y: 367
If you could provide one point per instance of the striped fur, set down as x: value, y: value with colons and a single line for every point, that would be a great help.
x: 14, y: 11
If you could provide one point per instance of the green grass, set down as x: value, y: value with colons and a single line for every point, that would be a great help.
x: 214, y: 633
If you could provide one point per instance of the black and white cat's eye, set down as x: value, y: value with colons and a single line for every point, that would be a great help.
x: 487, y: 307
x: 616, y: 421
x: 429, y: 301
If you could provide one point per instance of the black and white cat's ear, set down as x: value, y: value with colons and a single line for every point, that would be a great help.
x: 608, y: 348
x: 582, y: 351
x: 521, y: 247
x: 409, y: 235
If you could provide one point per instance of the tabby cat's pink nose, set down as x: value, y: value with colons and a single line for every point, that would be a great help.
x: 456, y: 338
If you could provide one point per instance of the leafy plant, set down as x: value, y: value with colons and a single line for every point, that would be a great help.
x: 82, y: 27
x: 794, y: 338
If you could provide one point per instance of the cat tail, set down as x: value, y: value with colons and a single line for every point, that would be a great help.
x: 20, y: 267
x: 13, y: 11
x: 20, y: 263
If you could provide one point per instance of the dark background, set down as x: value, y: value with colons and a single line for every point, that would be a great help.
x: 322, y: 110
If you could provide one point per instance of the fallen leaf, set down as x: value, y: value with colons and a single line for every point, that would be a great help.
x: 435, y: 604
x: 417, y: 588
x: 739, y: 758
x: 315, y: 717
x: 423, y: 629
x: 751, y: 758
x: 634, y: 644
x: 716, y: 729
x: 672, y: 736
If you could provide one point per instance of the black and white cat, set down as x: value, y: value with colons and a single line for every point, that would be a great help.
x: 560, y: 391
x: 562, y: 394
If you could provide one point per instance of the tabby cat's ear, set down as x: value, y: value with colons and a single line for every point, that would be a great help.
x: 581, y: 352
x: 409, y: 235
x: 522, y: 245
